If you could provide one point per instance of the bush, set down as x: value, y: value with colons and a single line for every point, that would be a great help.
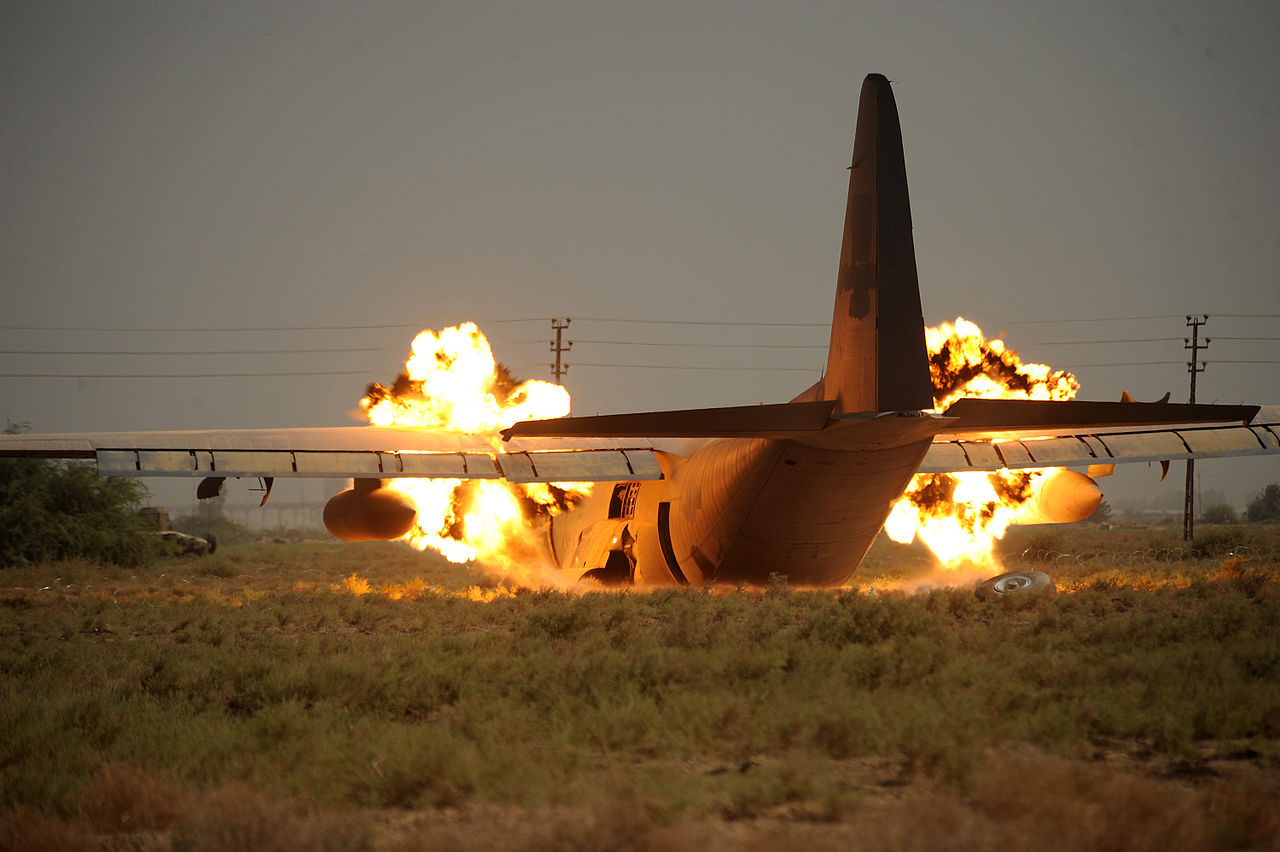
x: 1043, y: 546
x: 213, y: 522
x: 1219, y: 513
x: 1221, y: 543
x: 1266, y: 506
x: 1102, y: 514
x: 63, y: 510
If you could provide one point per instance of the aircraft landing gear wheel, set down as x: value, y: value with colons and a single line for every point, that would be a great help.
x: 605, y: 578
x: 616, y: 572
x: 1022, y: 586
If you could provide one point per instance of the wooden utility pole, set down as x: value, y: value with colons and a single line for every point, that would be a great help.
x: 558, y: 369
x: 1194, y: 367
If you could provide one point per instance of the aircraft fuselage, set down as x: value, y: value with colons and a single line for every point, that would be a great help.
x: 747, y: 510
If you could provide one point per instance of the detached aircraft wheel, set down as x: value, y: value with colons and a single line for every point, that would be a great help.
x: 614, y: 574
x: 607, y: 579
x: 1018, y: 586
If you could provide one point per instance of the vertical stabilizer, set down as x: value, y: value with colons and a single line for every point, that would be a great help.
x: 877, y: 360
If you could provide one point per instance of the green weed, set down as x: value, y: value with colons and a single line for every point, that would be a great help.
x: 165, y: 698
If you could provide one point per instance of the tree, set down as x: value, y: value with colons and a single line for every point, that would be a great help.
x: 1102, y: 514
x: 60, y: 510
x: 1266, y: 506
x: 1219, y: 513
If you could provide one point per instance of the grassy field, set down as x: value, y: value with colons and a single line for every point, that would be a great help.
x: 340, y: 697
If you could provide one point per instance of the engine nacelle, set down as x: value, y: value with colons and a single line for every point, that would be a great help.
x: 1062, y: 498
x: 368, y: 512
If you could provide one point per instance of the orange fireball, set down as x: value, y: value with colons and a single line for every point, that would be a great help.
x: 451, y: 382
x: 962, y: 362
x: 960, y: 516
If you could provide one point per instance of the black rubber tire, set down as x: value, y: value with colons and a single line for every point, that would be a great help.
x: 1023, y: 586
x: 616, y: 572
x: 607, y: 579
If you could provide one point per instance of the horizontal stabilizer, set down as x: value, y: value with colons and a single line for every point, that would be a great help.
x: 742, y: 421
x: 1048, y: 417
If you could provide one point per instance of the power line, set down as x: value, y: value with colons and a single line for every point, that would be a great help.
x: 196, y: 351
x: 728, y: 323
x: 1117, y: 364
x: 1153, y: 363
x: 578, y: 364
x: 1097, y: 319
x: 686, y: 367
x: 707, y: 322
x: 701, y: 345
x: 224, y: 330
x: 1129, y: 340
x: 180, y: 375
x: 1122, y: 319
x: 1092, y: 342
x: 220, y: 330
x: 346, y: 349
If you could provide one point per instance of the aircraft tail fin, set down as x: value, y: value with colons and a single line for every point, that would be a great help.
x: 877, y: 360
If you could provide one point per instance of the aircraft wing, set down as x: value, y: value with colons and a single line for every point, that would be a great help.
x: 974, y: 435
x: 539, y: 454
x: 353, y: 451
x: 990, y: 441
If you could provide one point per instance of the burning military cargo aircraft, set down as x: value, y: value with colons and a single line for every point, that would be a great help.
x: 740, y: 494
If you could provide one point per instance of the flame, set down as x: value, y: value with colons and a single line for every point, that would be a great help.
x: 962, y: 362
x: 416, y: 589
x: 451, y: 382
x: 960, y: 516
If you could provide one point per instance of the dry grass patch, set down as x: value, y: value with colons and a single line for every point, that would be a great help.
x: 238, y: 817
x: 126, y: 799
x: 29, y: 830
x: 271, y: 706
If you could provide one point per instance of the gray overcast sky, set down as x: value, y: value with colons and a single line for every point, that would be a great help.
x: 246, y: 164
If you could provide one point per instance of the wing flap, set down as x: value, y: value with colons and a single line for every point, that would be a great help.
x: 1057, y: 452
x: 1146, y: 446
x: 1223, y: 442
x: 259, y: 463
x: 1014, y: 454
x: 301, y: 464
x: 983, y: 455
x: 610, y: 465
x: 177, y: 462
x: 448, y: 465
x: 334, y: 464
